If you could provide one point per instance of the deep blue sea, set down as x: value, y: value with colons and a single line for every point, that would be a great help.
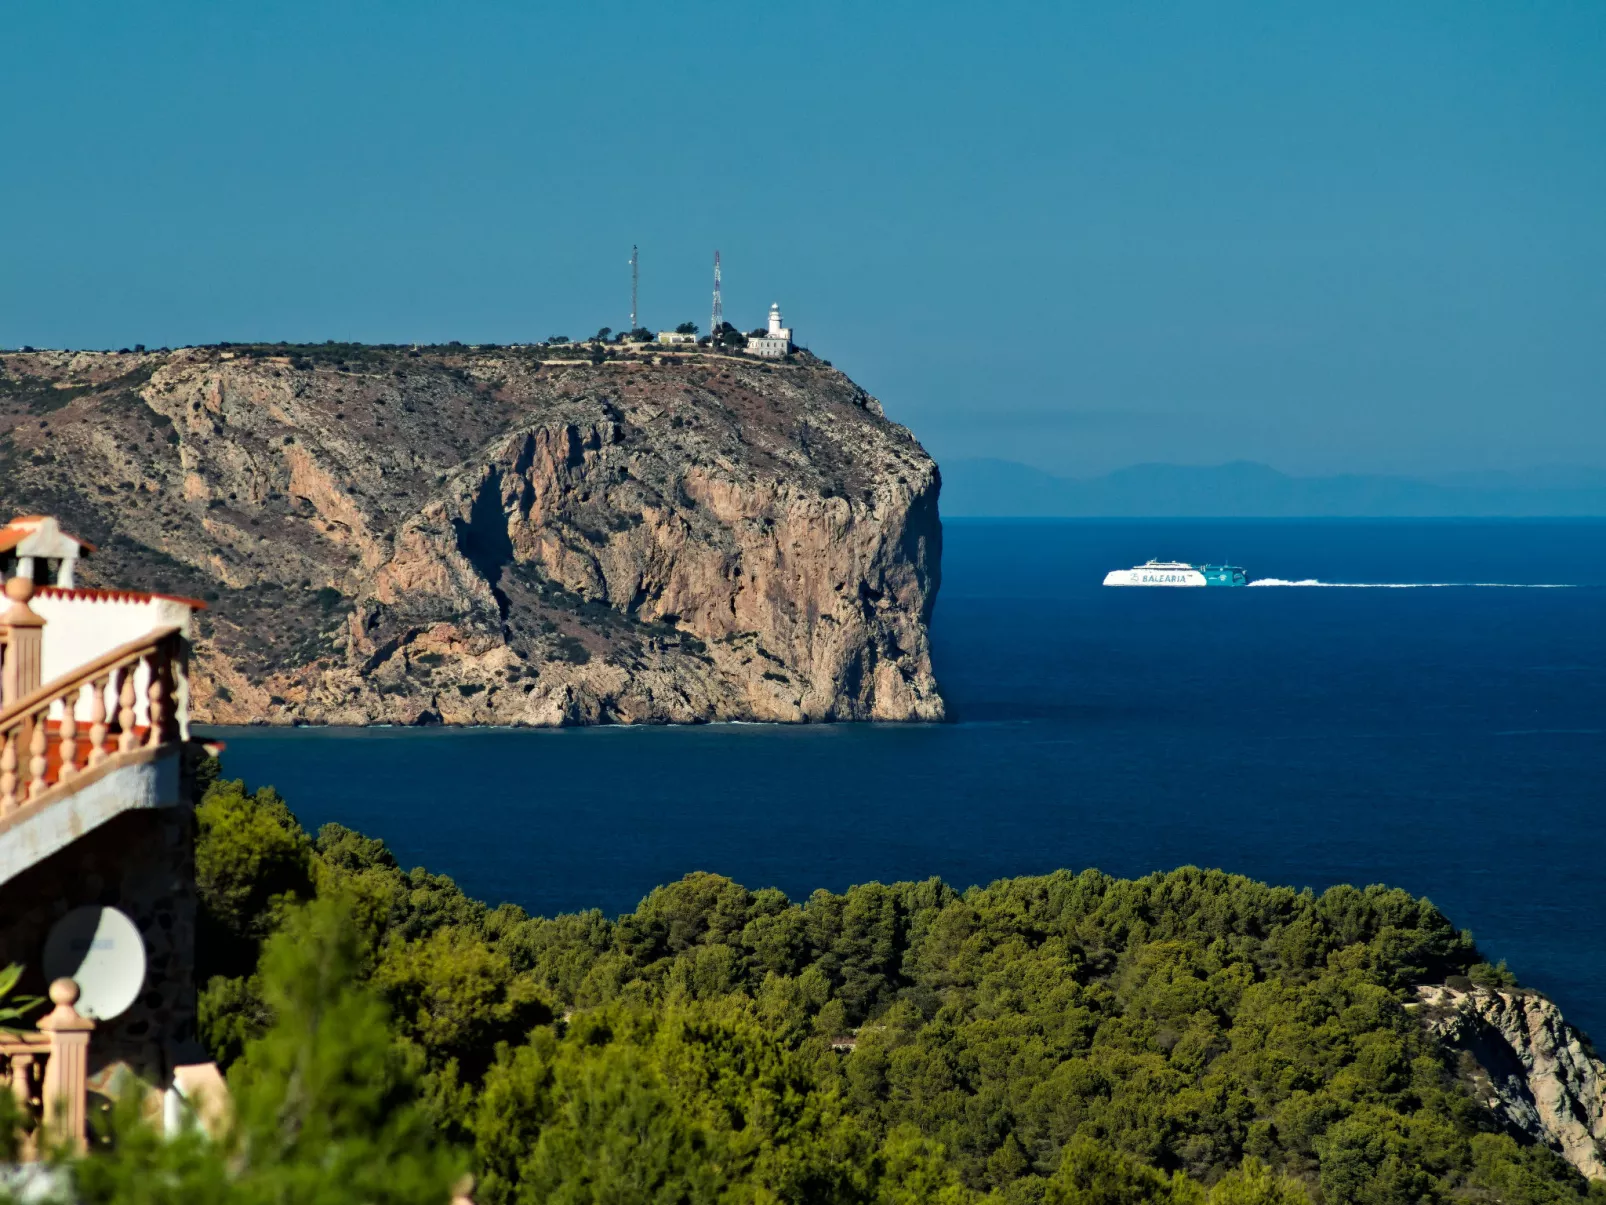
x: 1448, y: 738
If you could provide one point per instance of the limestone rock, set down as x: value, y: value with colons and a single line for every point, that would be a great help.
x: 1524, y: 1061
x: 478, y: 536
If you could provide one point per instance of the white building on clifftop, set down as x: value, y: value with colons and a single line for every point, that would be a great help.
x: 775, y: 342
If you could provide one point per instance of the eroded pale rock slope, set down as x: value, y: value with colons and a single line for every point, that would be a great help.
x: 470, y: 536
x: 1527, y: 1064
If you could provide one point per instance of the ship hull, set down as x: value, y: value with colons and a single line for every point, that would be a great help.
x: 1155, y: 577
x: 1183, y: 578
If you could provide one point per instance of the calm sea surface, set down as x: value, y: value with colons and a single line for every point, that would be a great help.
x: 1448, y: 739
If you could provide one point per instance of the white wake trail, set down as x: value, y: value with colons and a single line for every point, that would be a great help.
x: 1310, y: 581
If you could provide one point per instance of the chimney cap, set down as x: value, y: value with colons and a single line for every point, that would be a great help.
x: 41, y: 536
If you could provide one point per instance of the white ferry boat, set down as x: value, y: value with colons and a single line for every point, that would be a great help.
x: 1176, y: 573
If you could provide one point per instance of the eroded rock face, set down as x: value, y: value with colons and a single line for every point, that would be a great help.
x: 474, y: 536
x: 1525, y: 1062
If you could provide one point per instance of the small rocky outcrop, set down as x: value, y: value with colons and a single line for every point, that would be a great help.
x: 487, y: 536
x: 1522, y: 1059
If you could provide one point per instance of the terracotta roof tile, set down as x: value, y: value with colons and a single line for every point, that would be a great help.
x: 95, y: 594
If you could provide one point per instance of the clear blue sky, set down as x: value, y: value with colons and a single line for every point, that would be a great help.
x: 1331, y: 237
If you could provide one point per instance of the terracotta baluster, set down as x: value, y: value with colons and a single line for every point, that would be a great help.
x: 8, y: 772
x: 179, y: 675
x: 22, y: 1093
x: 65, y: 1090
x: 69, y: 735
x: 156, y: 699
x: 24, y: 637
x: 36, y: 749
x: 125, y: 710
x: 97, y: 718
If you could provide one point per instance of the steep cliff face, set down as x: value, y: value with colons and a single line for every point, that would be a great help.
x: 477, y: 536
x: 1528, y: 1065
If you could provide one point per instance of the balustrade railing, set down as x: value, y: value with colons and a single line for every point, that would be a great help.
x: 47, y: 1071
x: 118, y: 703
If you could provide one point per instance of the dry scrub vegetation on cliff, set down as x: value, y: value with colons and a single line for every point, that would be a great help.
x: 458, y: 535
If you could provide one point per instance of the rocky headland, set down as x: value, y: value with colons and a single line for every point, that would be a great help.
x: 1520, y: 1058
x: 484, y: 536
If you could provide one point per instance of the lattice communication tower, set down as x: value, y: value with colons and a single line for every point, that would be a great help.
x: 633, y: 277
x: 719, y: 306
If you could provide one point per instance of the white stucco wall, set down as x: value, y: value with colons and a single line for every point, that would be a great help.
x: 81, y: 625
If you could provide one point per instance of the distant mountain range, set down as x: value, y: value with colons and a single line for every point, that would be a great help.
x: 1244, y: 489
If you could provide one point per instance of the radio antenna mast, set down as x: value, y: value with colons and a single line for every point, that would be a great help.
x: 719, y: 306
x: 633, y: 266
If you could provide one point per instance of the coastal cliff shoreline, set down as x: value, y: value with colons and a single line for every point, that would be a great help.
x: 1520, y: 1058
x: 480, y: 536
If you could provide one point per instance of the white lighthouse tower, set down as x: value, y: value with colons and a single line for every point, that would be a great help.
x: 777, y: 331
x: 776, y: 341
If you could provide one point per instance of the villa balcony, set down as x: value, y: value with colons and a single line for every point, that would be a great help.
x: 94, y: 743
x: 46, y: 1073
x: 94, y: 792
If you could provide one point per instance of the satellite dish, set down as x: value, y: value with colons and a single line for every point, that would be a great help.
x: 100, y: 950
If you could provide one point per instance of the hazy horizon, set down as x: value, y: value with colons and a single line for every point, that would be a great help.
x: 1447, y: 476
x: 985, y: 488
x: 1363, y: 240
